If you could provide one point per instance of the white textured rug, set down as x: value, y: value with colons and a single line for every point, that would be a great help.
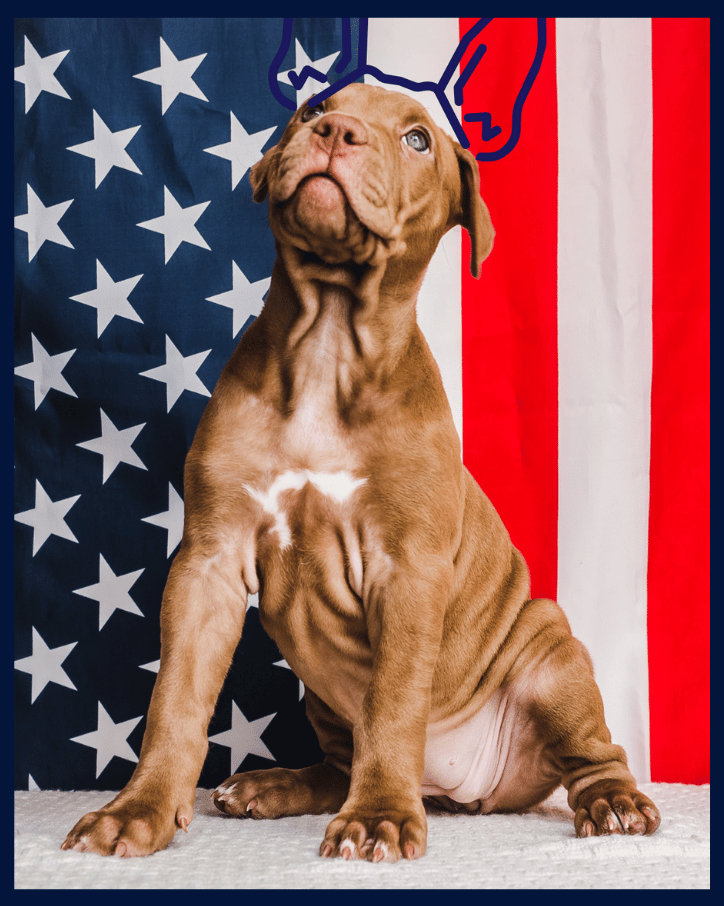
x: 532, y: 850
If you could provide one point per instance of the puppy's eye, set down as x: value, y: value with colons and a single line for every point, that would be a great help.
x: 417, y: 140
x: 311, y: 113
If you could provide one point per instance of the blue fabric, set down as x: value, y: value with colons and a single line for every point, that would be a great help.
x: 105, y: 373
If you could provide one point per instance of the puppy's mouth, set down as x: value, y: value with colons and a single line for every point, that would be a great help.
x: 321, y: 208
x: 317, y: 217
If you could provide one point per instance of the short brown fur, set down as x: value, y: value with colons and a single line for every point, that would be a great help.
x: 393, y: 590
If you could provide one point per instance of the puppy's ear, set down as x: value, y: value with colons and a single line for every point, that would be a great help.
x: 474, y: 214
x: 259, y: 175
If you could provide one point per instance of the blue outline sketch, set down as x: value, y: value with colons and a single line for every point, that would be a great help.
x: 438, y: 88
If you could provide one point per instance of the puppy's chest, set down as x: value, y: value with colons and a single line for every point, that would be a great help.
x: 310, y: 498
x: 312, y: 515
x: 300, y: 507
x: 310, y: 561
x: 315, y: 471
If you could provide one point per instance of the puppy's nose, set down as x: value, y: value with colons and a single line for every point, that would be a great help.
x: 338, y: 131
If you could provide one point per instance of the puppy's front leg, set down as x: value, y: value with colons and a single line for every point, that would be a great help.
x: 383, y: 817
x: 201, y: 621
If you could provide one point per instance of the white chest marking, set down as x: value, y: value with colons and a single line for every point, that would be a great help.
x: 338, y: 485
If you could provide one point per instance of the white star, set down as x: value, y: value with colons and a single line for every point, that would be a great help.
x: 172, y: 520
x: 108, y: 149
x: 283, y: 663
x: 47, y: 518
x: 111, y: 299
x: 252, y: 601
x: 45, y: 372
x: 311, y: 86
x: 111, y: 592
x: 177, y: 224
x: 174, y: 76
x: 44, y: 665
x: 244, y: 299
x: 41, y: 223
x: 32, y: 785
x: 244, y: 150
x: 178, y: 374
x: 37, y: 74
x: 151, y: 666
x: 109, y: 739
x: 114, y: 446
x: 244, y: 737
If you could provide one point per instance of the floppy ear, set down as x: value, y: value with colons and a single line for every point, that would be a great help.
x: 259, y: 174
x: 474, y: 214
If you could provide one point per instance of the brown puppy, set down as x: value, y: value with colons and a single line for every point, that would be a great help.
x: 326, y: 474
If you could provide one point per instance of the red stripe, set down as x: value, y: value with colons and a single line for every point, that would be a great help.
x: 678, y: 576
x: 509, y: 317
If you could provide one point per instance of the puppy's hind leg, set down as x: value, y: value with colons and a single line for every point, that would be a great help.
x: 282, y: 792
x: 566, y: 704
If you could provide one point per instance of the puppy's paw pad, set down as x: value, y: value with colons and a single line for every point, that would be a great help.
x: 123, y: 831
x: 616, y: 811
x: 375, y: 836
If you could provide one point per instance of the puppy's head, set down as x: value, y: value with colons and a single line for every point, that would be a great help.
x: 368, y: 176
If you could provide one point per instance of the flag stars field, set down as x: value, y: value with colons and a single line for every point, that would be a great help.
x: 177, y: 224
x: 45, y: 665
x: 110, y: 298
x: 46, y: 371
x: 37, y: 74
x: 114, y: 446
x: 109, y: 739
x: 107, y: 149
x: 112, y: 592
x: 179, y: 373
x: 116, y: 175
x: 172, y: 520
x: 244, y: 298
x: 41, y: 223
x: 48, y: 517
x: 243, y: 150
x: 244, y: 737
x: 174, y: 76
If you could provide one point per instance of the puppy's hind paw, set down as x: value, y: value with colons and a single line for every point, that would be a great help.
x: 611, y: 808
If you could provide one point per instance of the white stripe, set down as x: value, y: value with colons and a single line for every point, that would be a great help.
x: 604, y: 311
x: 420, y: 49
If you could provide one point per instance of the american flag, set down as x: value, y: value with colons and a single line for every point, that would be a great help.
x: 576, y: 367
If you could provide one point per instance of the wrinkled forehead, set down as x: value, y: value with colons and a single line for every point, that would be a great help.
x: 375, y: 104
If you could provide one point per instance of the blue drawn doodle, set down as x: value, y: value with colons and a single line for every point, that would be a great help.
x: 488, y: 130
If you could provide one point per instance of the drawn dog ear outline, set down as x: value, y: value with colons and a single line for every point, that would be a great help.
x: 439, y: 88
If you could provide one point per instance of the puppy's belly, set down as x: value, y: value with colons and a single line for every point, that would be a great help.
x: 465, y: 758
x: 492, y: 758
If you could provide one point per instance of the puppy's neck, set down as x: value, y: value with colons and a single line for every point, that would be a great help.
x: 344, y: 334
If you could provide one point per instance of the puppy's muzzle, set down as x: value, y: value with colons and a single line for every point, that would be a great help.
x: 331, y: 195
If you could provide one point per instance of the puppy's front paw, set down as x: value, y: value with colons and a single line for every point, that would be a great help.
x: 377, y: 835
x: 131, y: 829
x: 609, y: 807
